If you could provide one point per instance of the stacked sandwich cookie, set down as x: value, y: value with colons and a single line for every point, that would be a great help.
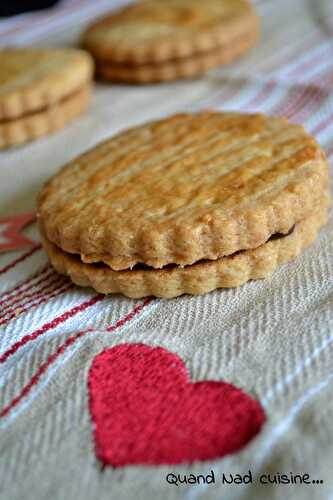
x: 41, y: 90
x: 187, y: 204
x: 158, y: 40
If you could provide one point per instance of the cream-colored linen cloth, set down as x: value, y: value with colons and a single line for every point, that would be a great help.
x: 273, y: 338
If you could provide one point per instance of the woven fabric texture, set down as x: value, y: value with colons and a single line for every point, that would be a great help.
x: 272, y: 339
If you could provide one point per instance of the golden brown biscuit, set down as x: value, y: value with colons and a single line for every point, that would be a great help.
x: 195, y: 279
x: 41, y: 90
x: 186, y: 67
x: 186, y: 188
x: 155, y: 40
x: 34, y: 125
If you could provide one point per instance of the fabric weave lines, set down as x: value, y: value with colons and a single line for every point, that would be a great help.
x: 272, y: 338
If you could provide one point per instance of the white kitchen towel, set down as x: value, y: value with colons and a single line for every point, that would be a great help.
x: 272, y: 338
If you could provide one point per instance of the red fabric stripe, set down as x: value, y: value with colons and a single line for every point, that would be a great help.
x: 24, y: 298
x: 50, y: 325
x: 30, y: 305
x: 323, y: 124
x: 293, y: 102
x: 304, y: 104
x: 300, y: 104
x: 291, y: 57
x: 26, y: 389
x: 326, y: 122
x: 313, y: 103
x: 20, y: 259
x: 129, y: 316
x: 308, y: 64
x: 19, y: 289
x: 289, y: 105
x: 52, y: 358
x: 265, y: 92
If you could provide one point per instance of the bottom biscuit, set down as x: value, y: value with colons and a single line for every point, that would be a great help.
x: 34, y: 125
x: 186, y: 67
x: 195, y: 279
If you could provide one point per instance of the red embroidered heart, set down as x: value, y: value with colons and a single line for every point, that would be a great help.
x: 146, y: 410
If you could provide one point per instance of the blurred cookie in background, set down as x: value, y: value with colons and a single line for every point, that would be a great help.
x: 41, y: 90
x: 155, y: 40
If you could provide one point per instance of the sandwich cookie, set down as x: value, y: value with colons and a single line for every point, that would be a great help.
x: 186, y: 204
x: 155, y: 40
x: 41, y: 90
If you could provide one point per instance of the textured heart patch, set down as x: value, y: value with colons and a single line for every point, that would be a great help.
x: 146, y: 410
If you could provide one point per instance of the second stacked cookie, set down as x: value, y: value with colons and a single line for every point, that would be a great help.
x: 41, y: 90
x: 187, y: 204
x: 158, y: 40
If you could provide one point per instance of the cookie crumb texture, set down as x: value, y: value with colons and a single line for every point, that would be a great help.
x: 41, y: 90
x: 155, y: 40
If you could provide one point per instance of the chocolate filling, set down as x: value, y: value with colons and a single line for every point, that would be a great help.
x: 144, y: 267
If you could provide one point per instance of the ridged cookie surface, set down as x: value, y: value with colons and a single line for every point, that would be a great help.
x: 33, y: 79
x: 198, y: 278
x: 189, y: 187
x: 155, y: 31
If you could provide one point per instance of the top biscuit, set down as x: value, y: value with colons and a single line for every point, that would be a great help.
x: 155, y: 31
x: 189, y: 187
x: 32, y: 79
